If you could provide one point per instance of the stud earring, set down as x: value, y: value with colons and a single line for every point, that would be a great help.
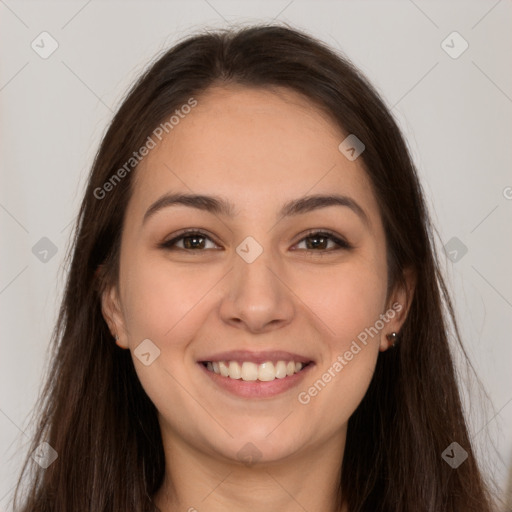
x: 392, y: 338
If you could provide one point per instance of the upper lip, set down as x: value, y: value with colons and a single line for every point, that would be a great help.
x: 256, y: 357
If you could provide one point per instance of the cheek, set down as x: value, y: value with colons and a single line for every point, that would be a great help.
x: 162, y: 302
x: 158, y: 296
x: 345, y: 301
x: 351, y: 345
x: 349, y: 303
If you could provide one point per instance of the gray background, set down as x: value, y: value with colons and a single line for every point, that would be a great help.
x: 455, y: 113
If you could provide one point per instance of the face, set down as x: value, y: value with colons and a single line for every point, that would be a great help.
x: 256, y: 278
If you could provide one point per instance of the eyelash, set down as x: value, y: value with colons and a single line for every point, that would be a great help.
x: 169, y: 244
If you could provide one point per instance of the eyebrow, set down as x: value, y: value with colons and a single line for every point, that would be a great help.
x: 220, y: 206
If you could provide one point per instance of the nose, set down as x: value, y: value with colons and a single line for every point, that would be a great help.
x: 256, y: 296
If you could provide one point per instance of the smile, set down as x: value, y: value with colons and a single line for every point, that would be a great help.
x: 246, y: 379
x: 249, y: 371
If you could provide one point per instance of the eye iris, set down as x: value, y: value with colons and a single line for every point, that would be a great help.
x: 315, y: 243
x: 194, y: 239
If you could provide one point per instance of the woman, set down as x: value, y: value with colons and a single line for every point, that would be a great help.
x: 253, y: 317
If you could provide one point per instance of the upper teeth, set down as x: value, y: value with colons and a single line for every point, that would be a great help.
x: 252, y: 371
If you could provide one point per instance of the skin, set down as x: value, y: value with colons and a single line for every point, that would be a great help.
x: 258, y: 148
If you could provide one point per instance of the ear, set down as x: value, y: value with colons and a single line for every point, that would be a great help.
x: 113, y: 315
x: 399, y: 303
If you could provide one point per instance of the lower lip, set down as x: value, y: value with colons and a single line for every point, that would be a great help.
x: 257, y: 388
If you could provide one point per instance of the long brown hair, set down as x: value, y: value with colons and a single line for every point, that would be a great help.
x: 94, y: 411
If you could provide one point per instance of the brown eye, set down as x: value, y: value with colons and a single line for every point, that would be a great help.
x: 318, y: 241
x: 192, y: 241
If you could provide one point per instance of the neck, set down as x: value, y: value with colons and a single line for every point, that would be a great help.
x: 196, y: 480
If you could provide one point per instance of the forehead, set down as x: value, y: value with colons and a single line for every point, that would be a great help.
x: 255, y: 146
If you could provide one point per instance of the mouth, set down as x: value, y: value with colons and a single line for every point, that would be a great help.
x: 249, y: 371
x: 250, y: 380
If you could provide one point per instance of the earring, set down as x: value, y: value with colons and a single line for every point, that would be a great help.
x: 393, y: 338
